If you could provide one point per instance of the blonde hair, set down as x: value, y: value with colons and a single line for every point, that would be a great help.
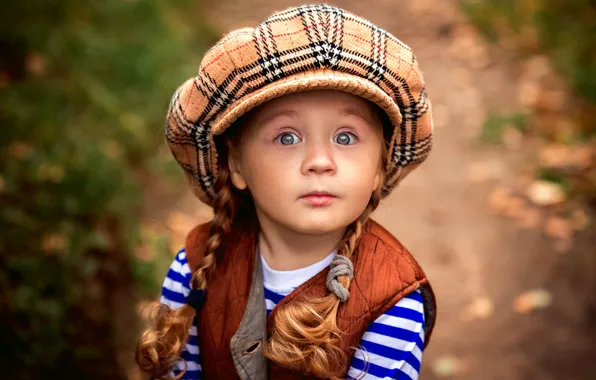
x: 305, y: 336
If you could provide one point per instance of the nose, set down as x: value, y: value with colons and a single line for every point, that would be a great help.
x: 318, y: 158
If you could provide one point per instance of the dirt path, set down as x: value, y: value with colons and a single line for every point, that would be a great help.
x: 442, y: 216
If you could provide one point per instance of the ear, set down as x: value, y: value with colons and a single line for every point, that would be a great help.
x: 237, y: 178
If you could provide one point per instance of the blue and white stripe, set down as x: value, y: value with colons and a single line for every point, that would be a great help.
x: 391, y: 348
x: 392, y: 345
x: 176, y: 287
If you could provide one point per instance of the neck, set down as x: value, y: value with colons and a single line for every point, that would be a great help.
x: 286, y: 249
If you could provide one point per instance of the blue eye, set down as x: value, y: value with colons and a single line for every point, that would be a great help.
x: 288, y: 138
x: 345, y: 138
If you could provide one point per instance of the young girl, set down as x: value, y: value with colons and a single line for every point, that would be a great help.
x: 293, y: 132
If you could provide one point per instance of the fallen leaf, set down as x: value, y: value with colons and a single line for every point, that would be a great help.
x: 581, y: 157
x: 552, y: 101
x: 528, y: 93
x: 545, y: 193
x: 481, y: 308
x: 579, y: 220
x: 448, y: 366
x: 560, y: 156
x: 553, y: 156
x: 529, y: 218
x: 515, y: 207
x: 498, y: 199
x: 558, y: 228
x: 532, y: 300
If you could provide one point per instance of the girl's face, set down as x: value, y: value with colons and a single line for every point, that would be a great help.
x: 311, y: 160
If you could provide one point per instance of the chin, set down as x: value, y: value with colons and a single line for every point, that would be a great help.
x: 318, y: 226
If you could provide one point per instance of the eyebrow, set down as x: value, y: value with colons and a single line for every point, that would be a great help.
x: 356, y: 112
x: 277, y: 113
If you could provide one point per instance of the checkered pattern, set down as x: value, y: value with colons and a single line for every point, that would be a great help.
x: 252, y: 65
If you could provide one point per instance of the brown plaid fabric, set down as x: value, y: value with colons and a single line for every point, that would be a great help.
x: 299, y: 49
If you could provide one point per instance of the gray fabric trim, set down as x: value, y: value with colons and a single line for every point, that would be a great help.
x: 429, y: 309
x: 340, y: 266
x: 247, y: 343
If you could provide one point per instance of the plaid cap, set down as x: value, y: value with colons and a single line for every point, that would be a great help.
x: 300, y: 49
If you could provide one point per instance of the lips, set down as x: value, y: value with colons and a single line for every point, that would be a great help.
x: 318, y: 198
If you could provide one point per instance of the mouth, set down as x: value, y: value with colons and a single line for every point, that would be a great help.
x: 319, y: 198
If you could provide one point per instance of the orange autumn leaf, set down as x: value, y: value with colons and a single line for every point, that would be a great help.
x: 515, y: 207
x: 532, y: 300
x: 558, y: 228
x: 480, y: 308
x: 529, y: 218
x: 498, y: 199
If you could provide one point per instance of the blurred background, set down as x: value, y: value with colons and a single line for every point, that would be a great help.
x: 93, y: 207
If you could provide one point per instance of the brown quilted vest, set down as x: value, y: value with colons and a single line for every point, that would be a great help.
x: 384, y: 272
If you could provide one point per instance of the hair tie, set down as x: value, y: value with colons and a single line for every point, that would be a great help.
x: 196, y: 298
x: 340, y: 266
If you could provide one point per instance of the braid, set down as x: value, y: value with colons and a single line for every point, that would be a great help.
x: 160, y: 345
x: 347, y: 245
x: 224, y: 212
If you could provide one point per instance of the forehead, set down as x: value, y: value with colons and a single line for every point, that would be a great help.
x: 329, y: 100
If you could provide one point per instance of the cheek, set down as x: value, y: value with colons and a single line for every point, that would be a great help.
x: 266, y: 174
x: 362, y: 167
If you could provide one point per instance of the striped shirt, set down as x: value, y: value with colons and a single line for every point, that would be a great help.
x: 391, y: 347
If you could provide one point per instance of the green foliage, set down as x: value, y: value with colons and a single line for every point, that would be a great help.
x: 552, y: 175
x: 565, y: 31
x: 562, y: 30
x: 84, y: 88
x: 494, y: 125
x: 150, y: 269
